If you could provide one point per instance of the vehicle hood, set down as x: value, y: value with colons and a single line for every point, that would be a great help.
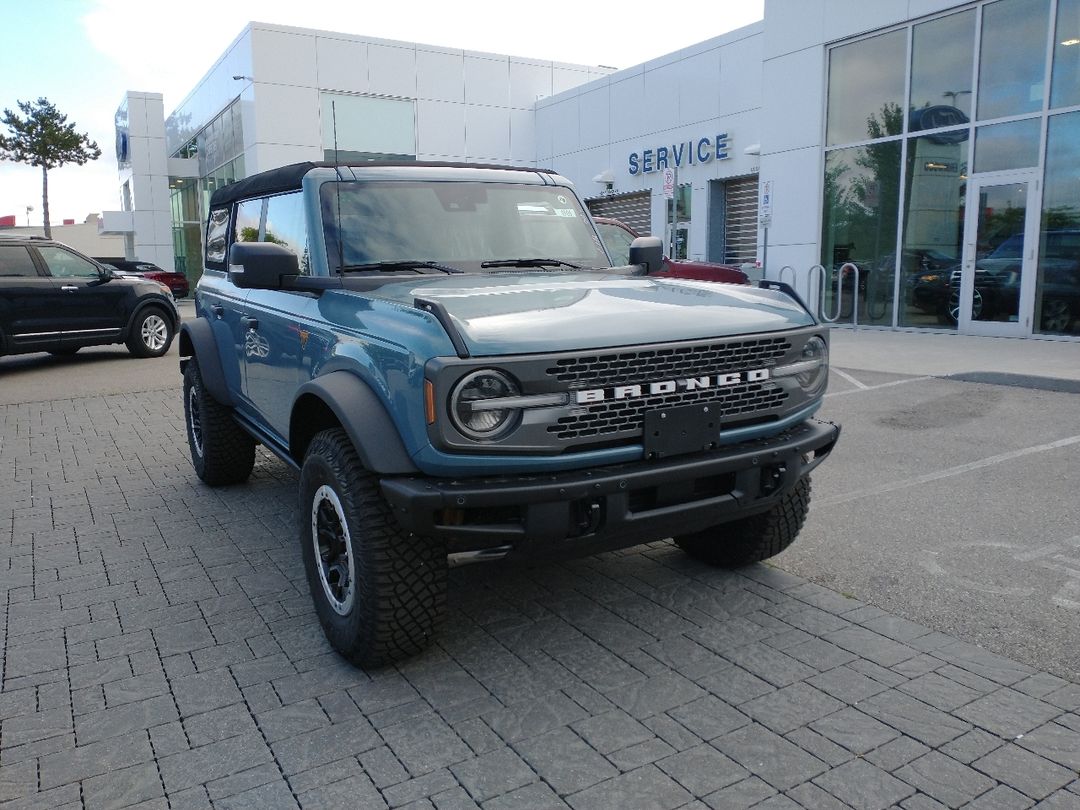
x: 544, y: 312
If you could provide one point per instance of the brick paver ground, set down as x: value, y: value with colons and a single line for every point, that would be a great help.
x: 160, y: 650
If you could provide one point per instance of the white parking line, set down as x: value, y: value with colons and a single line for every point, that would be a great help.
x: 863, y: 388
x: 850, y: 379
x: 949, y: 472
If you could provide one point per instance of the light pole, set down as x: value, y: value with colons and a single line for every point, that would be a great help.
x: 952, y: 94
x: 29, y: 208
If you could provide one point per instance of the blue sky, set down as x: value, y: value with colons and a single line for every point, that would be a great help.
x: 84, y: 54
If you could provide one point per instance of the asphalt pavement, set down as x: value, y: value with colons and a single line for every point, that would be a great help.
x: 915, y: 648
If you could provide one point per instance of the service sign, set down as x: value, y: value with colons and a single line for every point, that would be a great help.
x: 677, y: 155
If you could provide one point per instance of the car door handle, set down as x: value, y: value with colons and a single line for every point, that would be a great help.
x: 249, y: 323
x: 69, y: 288
x: 218, y: 310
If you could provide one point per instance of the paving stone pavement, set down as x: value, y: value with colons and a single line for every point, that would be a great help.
x: 160, y: 651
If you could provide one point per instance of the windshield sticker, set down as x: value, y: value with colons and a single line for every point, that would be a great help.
x: 566, y: 212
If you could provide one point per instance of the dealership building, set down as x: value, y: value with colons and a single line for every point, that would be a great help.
x: 915, y: 163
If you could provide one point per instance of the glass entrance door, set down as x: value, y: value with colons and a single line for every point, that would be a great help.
x: 995, y: 289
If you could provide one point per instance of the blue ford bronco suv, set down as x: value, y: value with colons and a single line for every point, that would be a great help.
x: 446, y: 355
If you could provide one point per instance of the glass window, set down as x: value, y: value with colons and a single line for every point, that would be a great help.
x: 286, y: 226
x: 65, y: 264
x: 617, y: 241
x: 1065, y: 86
x: 367, y: 128
x: 937, y: 167
x: 15, y: 262
x: 248, y: 220
x: 1012, y: 62
x: 1057, y: 289
x: 866, y: 88
x: 942, y: 54
x: 217, y: 236
x: 461, y: 224
x: 1007, y: 146
x: 862, y: 190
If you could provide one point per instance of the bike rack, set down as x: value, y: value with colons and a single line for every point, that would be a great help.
x: 819, y: 273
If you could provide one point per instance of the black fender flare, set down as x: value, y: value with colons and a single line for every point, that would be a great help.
x: 358, y: 409
x: 197, y: 340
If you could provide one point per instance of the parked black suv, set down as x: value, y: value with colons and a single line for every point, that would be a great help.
x: 55, y: 299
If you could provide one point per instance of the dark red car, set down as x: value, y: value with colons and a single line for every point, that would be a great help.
x: 618, y: 235
x: 177, y: 282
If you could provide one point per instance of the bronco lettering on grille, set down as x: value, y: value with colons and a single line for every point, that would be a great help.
x: 669, y: 386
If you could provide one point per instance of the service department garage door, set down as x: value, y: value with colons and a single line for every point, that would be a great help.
x: 633, y: 209
x: 740, y: 219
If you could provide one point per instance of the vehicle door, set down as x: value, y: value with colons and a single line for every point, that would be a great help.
x: 274, y: 337
x: 91, y: 306
x: 27, y: 302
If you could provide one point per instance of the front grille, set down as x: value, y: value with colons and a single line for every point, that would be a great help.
x: 643, y: 365
x: 735, y: 402
x: 617, y: 416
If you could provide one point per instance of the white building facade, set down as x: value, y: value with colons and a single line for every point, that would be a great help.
x: 920, y: 154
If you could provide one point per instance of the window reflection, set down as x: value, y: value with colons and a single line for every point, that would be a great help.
x: 1057, y: 291
x: 1013, y: 57
x: 936, y: 184
x: 1007, y: 146
x: 941, y: 59
x: 862, y: 187
x: 865, y: 78
x: 286, y: 226
x: 1065, y: 88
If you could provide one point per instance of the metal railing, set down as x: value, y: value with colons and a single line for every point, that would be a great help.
x: 816, y: 278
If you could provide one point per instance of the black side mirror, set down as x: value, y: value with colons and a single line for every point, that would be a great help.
x: 647, y: 251
x: 261, y: 265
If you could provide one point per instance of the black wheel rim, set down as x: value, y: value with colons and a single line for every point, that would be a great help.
x: 195, y: 421
x: 332, y: 546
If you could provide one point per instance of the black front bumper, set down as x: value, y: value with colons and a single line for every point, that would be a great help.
x: 610, y: 507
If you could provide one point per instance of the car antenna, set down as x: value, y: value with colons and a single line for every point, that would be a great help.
x: 337, y: 169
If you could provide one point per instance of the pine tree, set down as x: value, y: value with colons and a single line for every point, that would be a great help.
x: 44, y: 138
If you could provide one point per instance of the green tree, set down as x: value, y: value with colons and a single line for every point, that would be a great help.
x: 44, y: 138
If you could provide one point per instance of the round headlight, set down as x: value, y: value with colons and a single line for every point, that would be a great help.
x: 469, y: 412
x: 813, y: 380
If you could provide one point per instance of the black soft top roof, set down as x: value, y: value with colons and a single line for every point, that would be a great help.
x: 274, y: 181
x: 289, y: 178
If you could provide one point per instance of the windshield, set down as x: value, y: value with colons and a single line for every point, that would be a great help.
x: 1011, y: 248
x: 459, y: 224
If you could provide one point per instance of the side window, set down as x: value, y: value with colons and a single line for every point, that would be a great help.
x: 65, y: 264
x: 617, y: 241
x: 217, y: 237
x: 248, y: 221
x: 286, y: 225
x: 15, y: 262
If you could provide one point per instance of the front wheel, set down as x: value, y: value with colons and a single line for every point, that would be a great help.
x: 221, y: 451
x: 752, y: 539
x: 379, y: 591
x: 151, y: 333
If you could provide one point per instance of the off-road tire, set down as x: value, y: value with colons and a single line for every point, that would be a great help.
x: 752, y: 539
x: 398, y: 597
x: 151, y: 333
x: 221, y: 451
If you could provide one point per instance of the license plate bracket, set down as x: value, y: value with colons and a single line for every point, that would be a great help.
x: 684, y: 429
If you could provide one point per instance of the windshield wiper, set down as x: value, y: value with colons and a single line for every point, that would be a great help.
x: 531, y: 263
x: 407, y: 264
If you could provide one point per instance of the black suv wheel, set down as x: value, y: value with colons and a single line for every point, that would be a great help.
x: 379, y: 591
x: 151, y: 333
